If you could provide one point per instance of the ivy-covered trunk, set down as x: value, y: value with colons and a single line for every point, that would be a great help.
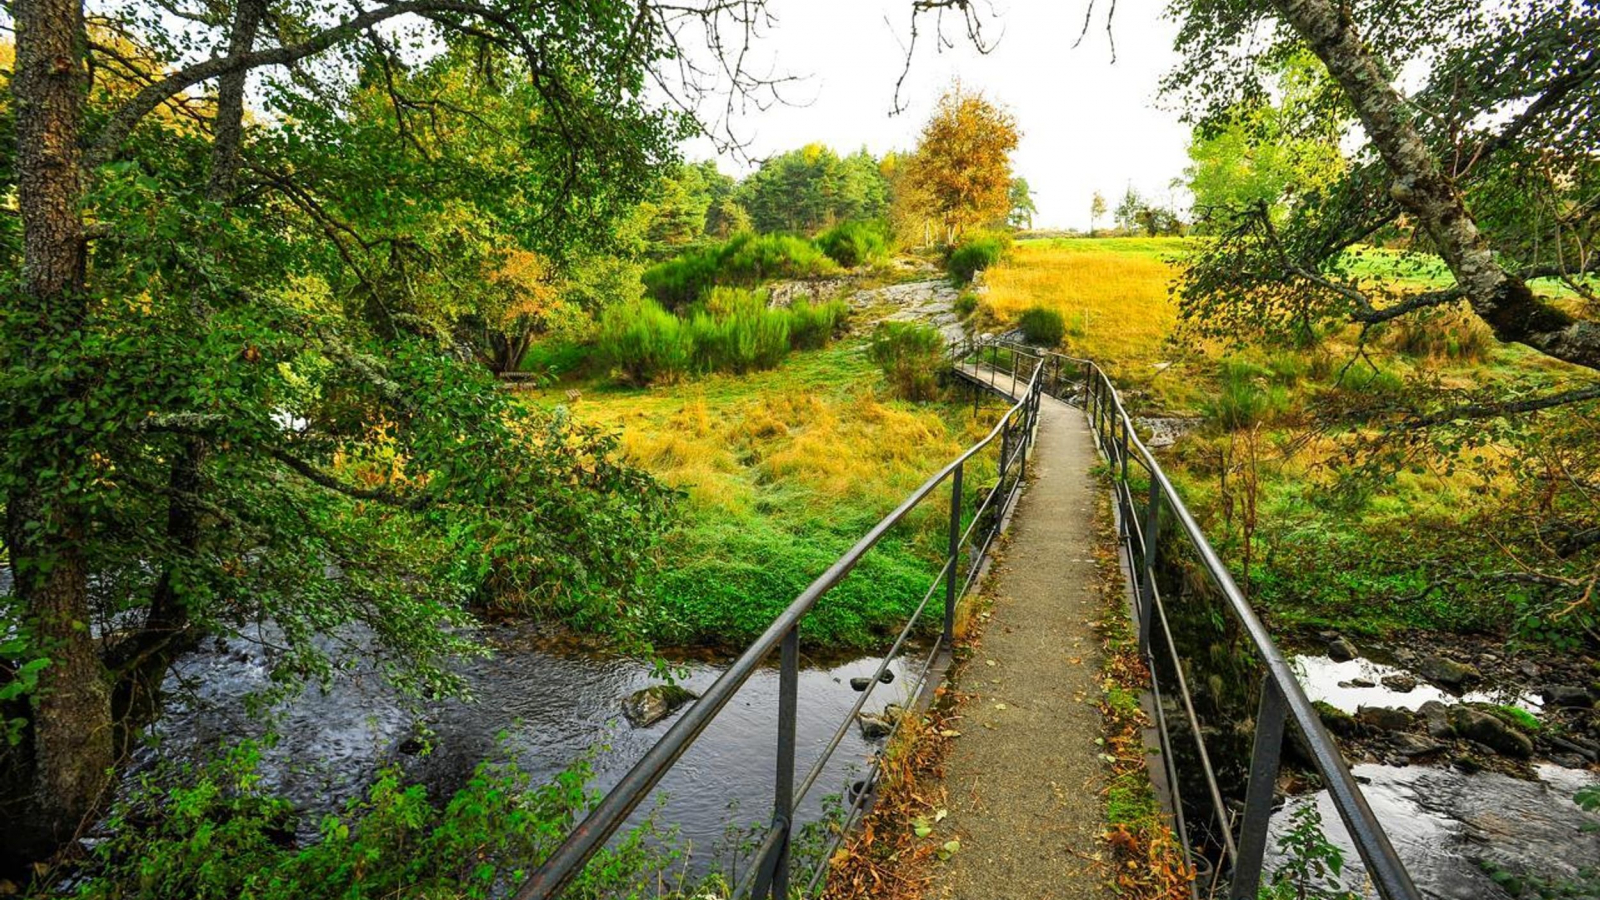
x: 70, y: 734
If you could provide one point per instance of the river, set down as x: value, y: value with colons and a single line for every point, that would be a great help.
x: 548, y: 706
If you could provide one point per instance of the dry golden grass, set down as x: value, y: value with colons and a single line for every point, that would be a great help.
x: 1114, y: 299
x: 816, y: 428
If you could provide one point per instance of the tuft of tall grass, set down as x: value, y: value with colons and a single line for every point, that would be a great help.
x: 645, y: 343
x: 976, y: 252
x: 1451, y: 334
x: 856, y: 243
x: 1043, y: 326
x: 744, y: 260
x: 911, y: 355
x: 733, y: 330
x: 1245, y: 397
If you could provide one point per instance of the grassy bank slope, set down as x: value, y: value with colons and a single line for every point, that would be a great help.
x: 1318, y: 540
x: 782, y: 471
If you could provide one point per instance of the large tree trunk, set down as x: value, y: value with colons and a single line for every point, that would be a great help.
x: 1422, y: 188
x: 71, y: 738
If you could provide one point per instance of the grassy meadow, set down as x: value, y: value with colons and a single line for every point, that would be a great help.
x: 1322, y: 543
x: 781, y: 471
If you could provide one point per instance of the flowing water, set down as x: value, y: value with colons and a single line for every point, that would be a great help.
x: 546, y: 707
x: 1452, y: 829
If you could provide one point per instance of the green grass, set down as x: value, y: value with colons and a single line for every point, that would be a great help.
x: 782, y: 471
x: 1328, y: 549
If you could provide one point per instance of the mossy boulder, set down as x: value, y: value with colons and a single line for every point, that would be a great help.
x: 650, y: 705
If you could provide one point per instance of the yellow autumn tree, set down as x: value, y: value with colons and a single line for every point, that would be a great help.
x: 961, y: 171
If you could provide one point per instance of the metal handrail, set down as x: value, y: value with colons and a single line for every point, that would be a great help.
x: 1282, y: 698
x: 769, y: 871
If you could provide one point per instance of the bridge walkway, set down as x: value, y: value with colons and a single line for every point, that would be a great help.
x: 1024, y: 781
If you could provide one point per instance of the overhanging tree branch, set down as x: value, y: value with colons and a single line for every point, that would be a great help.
x: 1507, y: 408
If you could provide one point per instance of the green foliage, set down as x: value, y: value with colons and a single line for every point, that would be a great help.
x: 856, y: 243
x: 743, y: 335
x: 1043, y: 326
x: 687, y: 206
x: 645, y: 343
x: 977, y: 251
x: 966, y: 304
x: 733, y: 331
x: 745, y: 260
x: 813, y: 325
x: 1311, y: 863
x: 912, y: 357
x: 1023, y: 209
x: 806, y: 190
x: 1267, y: 150
x: 1245, y: 398
x: 212, y: 831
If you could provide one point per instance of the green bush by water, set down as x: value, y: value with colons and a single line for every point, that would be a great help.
x: 212, y: 831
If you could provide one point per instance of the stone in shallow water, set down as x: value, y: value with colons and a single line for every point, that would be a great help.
x: 1384, y: 718
x: 1488, y: 730
x: 1341, y: 650
x: 1410, y: 745
x: 1447, y: 672
x: 652, y: 704
x: 1401, y: 682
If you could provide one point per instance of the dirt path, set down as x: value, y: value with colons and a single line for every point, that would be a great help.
x: 1024, y: 780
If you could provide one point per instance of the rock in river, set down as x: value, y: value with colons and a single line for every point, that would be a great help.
x: 1400, y: 681
x: 1341, y: 650
x: 1477, y: 725
x: 1384, y: 718
x: 652, y: 704
x: 1446, y: 672
x: 1569, y: 696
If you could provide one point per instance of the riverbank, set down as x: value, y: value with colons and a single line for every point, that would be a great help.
x: 783, y: 470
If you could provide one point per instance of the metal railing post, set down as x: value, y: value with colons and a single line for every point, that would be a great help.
x: 1147, y: 568
x: 783, y: 789
x: 955, y: 548
x: 1127, y: 441
x: 1264, y: 761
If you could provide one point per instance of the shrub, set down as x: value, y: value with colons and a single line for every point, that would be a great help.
x: 1244, y: 399
x: 813, y: 325
x: 681, y: 281
x: 749, y: 259
x: 911, y: 355
x: 645, y: 343
x: 747, y: 337
x: 1442, y: 334
x: 979, y: 251
x: 858, y: 243
x: 745, y: 260
x: 733, y: 330
x: 213, y: 831
x: 966, y: 304
x: 1042, y: 326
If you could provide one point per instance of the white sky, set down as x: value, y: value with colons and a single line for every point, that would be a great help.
x: 1087, y: 123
